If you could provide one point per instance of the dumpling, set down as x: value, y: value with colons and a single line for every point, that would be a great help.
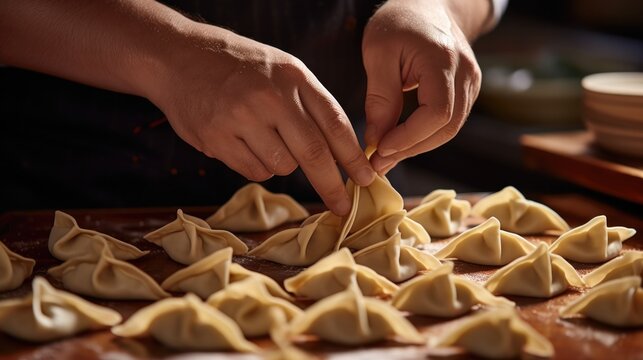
x: 395, y: 261
x: 334, y: 274
x: 496, y: 334
x: 628, y: 264
x: 303, y: 246
x: 413, y: 234
x: 48, y: 314
x: 440, y: 213
x: 186, y: 323
x: 517, y: 214
x: 189, y: 239
x: 539, y: 274
x: 592, y: 242
x: 617, y: 302
x: 107, y: 278
x: 253, y: 208
x: 239, y: 273
x: 486, y: 244
x: 349, y: 318
x: 14, y: 269
x: 67, y: 240
x: 440, y: 293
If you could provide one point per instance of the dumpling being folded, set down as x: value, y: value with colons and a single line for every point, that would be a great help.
x: 107, y: 278
x: 189, y: 239
x: 486, y: 244
x: 618, y: 303
x: 413, y: 234
x: 440, y: 213
x: 48, y: 314
x: 334, y: 274
x: 253, y: 208
x: 188, y: 324
x: 67, y: 240
x: 517, y: 214
x: 14, y: 269
x: 349, y: 318
x: 539, y: 274
x: 440, y: 293
x: 592, y: 242
x: 395, y: 261
x: 496, y: 334
x: 628, y: 264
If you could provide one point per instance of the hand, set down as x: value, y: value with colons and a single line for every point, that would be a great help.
x: 419, y: 44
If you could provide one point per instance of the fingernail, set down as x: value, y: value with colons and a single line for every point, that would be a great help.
x: 384, y: 152
x: 365, y: 176
x: 343, y: 207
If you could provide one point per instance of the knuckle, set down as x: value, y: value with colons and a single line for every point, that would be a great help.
x: 315, y: 152
x: 355, y: 160
x: 335, y: 192
x: 336, y: 124
x: 451, y: 130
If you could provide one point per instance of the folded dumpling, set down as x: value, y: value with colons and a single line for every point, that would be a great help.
x: 517, y: 214
x: 441, y: 293
x: 253, y: 208
x: 67, y: 240
x: 189, y: 239
x: 628, y: 264
x: 440, y: 213
x: 334, y: 274
x: 349, y: 318
x: 48, y: 314
x: 592, y: 242
x: 486, y: 244
x: 14, y: 269
x: 395, y: 261
x: 617, y: 302
x: 496, y: 334
x: 239, y: 273
x: 413, y: 234
x: 186, y: 323
x: 538, y: 274
x: 107, y: 278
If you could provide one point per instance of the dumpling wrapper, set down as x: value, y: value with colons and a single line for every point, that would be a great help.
x: 592, y: 242
x: 67, y: 241
x: 496, y: 334
x: 617, y: 302
x: 440, y: 213
x: 253, y: 208
x: 486, y: 244
x: 14, y: 269
x: 517, y: 214
x: 413, y: 234
x: 335, y: 273
x: 189, y: 239
x: 107, y: 278
x: 48, y: 314
x: 349, y: 318
x: 628, y: 264
x: 440, y: 293
x: 539, y: 274
x: 188, y: 324
x: 395, y: 261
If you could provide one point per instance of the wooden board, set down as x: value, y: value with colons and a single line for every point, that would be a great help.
x: 27, y: 233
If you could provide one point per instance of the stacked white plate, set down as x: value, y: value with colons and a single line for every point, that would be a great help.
x: 613, y: 111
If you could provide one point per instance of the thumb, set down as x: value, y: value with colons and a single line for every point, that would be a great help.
x: 383, y: 100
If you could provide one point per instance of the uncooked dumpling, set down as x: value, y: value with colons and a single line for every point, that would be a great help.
x: 334, y: 274
x: 189, y: 239
x: 628, y: 264
x: 517, y: 214
x: 14, y: 269
x: 107, y: 278
x: 486, y: 244
x: 539, y: 274
x: 253, y: 208
x: 48, y: 314
x: 67, y: 240
x: 186, y: 323
x: 496, y: 334
x: 617, y: 302
x: 440, y: 293
x: 239, y: 273
x: 592, y: 242
x: 395, y: 261
x: 413, y: 234
x: 350, y: 318
x: 440, y: 213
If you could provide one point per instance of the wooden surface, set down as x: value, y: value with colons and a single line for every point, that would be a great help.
x: 572, y: 156
x: 27, y: 233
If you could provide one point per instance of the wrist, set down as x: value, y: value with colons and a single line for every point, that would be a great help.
x: 473, y: 17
